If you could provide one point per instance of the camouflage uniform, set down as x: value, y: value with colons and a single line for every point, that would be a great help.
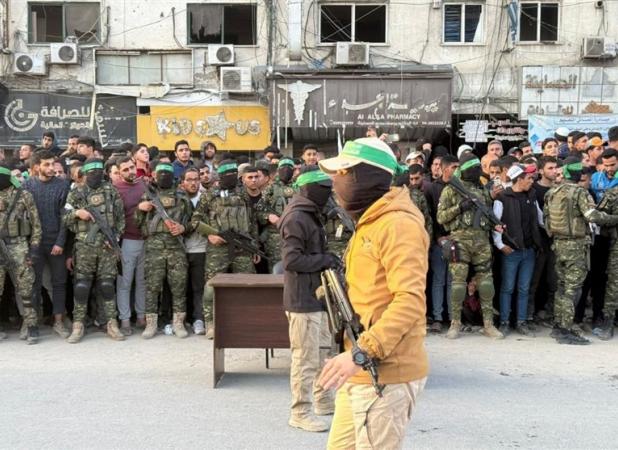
x: 164, y: 254
x: 418, y: 198
x: 337, y: 234
x: 473, y: 247
x: 274, y: 199
x: 23, y: 232
x: 568, y: 210
x: 225, y: 210
x: 92, y: 257
x: 609, y: 205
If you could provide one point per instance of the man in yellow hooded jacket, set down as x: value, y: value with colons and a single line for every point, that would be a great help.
x: 386, y: 267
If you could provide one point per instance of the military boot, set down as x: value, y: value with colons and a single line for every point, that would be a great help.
x: 23, y: 331
x: 490, y: 331
x: 33, y: 335
x: 571, y: 337
x: 151, y: 326
x: 606, y: 330
x: 113, y: 331
x: 179, y: 325
x: 77, y: 334
x: 453, y: 331
x: 308, y: 422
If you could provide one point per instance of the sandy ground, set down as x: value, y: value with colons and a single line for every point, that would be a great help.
x: 516, y: 393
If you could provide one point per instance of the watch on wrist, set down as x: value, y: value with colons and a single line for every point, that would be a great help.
x: 360, y: 357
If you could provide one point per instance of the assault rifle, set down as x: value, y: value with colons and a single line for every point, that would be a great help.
x: 153, y: 198
x: 342, y: 319
x: 481, y: 209
x: 334, y: 210
x: 108, y: 233
x: 234, y: 240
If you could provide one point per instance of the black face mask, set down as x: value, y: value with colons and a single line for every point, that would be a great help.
x: 5, y: 182
x: 165, y: 179
x: 94, y: 178
x: 228, y: 181
x: 285, y: 174
x: 472, y: 175
x: 360, y: 188
x: 317, y: 193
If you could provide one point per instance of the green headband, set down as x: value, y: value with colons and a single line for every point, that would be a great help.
x: 164, y: 168
x: 467, y: 165
x: 227, y: 168
x: 371, y: 155
x: 315, y: 176
x: 14, y: 181
x: 574, y: 167
x: 92, y: 166
x: 285, y: 162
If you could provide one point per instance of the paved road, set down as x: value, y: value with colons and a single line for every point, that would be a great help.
x: 518, y: 393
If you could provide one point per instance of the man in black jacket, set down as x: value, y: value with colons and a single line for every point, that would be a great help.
x: 518, y: 209
x: 304, y: 255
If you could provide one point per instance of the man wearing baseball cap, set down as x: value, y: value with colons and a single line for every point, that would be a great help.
x: 386, y: 267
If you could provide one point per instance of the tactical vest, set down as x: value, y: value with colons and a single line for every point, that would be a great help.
x: 18, y: 224
x: 173, y: 207
x: 465, y: 221
x: 282, y: 194
x: 564, y: 218
x: 102, y: 200
x: 229, y: 211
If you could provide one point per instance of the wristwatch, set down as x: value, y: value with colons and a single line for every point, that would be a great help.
x: 360, y: 357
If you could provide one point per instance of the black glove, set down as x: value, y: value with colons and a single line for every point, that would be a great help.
x: 333, y: 262
x: 466, y: 204
x: 33, y: 256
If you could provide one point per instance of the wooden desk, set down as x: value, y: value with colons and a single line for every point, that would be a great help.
x: 248, y: 313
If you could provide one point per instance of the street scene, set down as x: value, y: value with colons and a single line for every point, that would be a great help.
x: 308, y: 224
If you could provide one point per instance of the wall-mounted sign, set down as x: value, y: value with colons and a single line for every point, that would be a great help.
x: 229, y: 127
x: 369, y: 100
x: 568, y: 90
x: 541, y: 127
x: 485, y: 130
x: 27, y: 115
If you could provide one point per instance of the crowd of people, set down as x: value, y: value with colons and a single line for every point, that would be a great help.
x: 127, y: 242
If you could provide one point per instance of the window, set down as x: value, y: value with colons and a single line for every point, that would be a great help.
x: 54, y: 22
x: 353, y: 23
x: 463, y: 23
x: 136, y: 69
x: 222, y: 24
x: 538, y: 22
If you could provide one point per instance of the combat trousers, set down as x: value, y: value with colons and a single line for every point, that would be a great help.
x: 571, y: 268
x: 165, y: 259
x: 611, y: 292
x: 218, y: 261
x: 310, y: 344
x: 272, y: 247
x: 365, y: 421
x: 475, y: 252
x: 18, y: 252
x: 94, y: 261
x: 133, y: 260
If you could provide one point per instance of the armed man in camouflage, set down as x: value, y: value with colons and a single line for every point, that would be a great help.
x: 225, y: 207
x: 94, y: 257
x: 165, y: 255
x: 470, y: 245
x: 270, y: 207
x: 568, y: 210
x: 20, y: 232
x: 339, y: 227
x: 609, y: 205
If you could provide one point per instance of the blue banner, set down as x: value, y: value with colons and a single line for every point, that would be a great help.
x: 542, y: 127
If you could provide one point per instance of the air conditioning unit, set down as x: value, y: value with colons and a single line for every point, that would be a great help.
x: 220, y: 55
x: 352, y: 54
x: 65, y: 53
x: 27, y: 64
x: 236, y: 79
x: 436, y: 4
x: 598, y: 48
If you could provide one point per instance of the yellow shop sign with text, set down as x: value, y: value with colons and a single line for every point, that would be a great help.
x: 229, y: 127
